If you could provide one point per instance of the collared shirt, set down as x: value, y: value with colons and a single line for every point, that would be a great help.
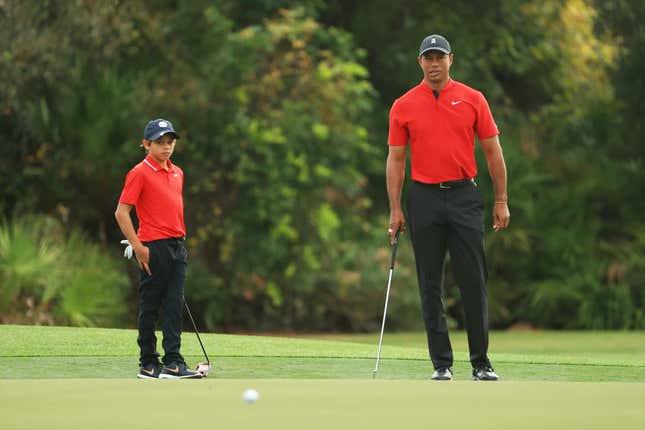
x: 441, y: 130
x: 156, y: 194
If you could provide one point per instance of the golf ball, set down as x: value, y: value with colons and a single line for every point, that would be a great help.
x: 250, y: 396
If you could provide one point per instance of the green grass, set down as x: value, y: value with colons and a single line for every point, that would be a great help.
x: 62, y: 377
x: 319, y: 404
x: 599, y: 347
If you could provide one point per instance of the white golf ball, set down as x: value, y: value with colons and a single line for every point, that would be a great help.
x: 250, y: 396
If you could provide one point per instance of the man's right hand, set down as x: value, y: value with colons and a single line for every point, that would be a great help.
x: 397, y: 222
x: 142, y: 253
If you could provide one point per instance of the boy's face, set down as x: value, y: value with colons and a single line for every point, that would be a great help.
x: 161, y: 149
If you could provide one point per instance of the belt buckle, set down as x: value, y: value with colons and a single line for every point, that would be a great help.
x: 445, y: 187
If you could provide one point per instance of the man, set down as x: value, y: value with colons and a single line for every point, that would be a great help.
x: 154, y: 188
x: 439, y: 118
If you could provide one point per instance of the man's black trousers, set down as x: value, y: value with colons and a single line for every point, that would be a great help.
x: 163, y: 290
x: 450, y: 218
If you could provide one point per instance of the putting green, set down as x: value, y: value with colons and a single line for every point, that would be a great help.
x: 549, y: 380
x: 319, y: 404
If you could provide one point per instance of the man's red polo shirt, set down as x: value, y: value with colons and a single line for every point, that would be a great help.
x: 156, y: 194
x: 441, y: 131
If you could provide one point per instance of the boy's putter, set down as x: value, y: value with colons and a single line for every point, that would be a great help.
x: 203, y: 368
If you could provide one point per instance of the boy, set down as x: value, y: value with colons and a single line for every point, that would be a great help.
x: 154, y: 188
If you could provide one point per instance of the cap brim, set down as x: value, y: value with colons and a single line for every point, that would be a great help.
x: 434, y: 48
x: 158, y: 134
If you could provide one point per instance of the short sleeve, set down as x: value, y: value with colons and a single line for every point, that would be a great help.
x: 132, y: 188
x: 398, y: 134
x: 486, y: 126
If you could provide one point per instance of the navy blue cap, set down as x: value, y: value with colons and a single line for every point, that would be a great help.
x: 434, y: 42
x: 157, y: 128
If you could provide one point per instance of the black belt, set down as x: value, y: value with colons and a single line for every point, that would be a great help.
x: 171, y: 239
x: 446, y: 185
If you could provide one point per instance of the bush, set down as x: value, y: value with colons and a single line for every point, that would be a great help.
x: 49, y: 276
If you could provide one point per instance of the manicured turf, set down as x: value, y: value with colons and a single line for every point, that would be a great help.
x: 594, y: 347
x: 45, y: 352
x: 59, y: 377
x: 318, y: 404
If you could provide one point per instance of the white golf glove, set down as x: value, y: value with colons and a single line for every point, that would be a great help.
x: 127, y: 253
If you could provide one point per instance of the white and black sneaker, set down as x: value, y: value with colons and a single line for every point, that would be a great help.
x: 178, y: 370
x: 484, y: 373
x: 442, y: 374
x: 149, y: 371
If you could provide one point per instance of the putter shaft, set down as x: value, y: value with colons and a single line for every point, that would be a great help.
x: 380, y: 342
x: 387, y: 298
x: 196, y: 331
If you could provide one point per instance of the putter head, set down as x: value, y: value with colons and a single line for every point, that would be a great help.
x: 373, y: 374
x: 204, y: 369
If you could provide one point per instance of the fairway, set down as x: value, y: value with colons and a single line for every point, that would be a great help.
x: 61, y: 377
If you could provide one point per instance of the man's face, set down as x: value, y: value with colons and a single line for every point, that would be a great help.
x: 435, y: 66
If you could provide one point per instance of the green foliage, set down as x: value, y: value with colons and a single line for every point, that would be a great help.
x: 282, y: 107
x: 289, y: 182
x: 50, y: 277
x: 26, y: 261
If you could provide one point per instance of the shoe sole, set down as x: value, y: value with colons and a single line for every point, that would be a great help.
x: 441, y: 379
x: 484, y: 379
x: 167, y: 376
x: 142, y: 376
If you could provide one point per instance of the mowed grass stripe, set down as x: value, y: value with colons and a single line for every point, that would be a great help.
x: 497, y: 358
x: 306, y: 368
x: 38, y: 341
x: 33, y: 341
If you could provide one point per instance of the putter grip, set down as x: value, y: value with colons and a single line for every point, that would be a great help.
x: 396, y: 244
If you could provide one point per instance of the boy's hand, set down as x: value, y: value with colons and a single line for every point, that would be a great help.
x: 143, y: 258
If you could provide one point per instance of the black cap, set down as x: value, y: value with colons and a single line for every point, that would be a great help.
x: 157, y: 128
x: 434, y: 42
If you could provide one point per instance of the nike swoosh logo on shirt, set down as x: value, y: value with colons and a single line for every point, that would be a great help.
x: 456, y: 102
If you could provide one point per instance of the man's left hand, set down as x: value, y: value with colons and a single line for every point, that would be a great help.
x: 501, y: 216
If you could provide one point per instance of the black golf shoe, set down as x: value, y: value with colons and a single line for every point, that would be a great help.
x: 178, y: 370
x: 149, y: 371
x: 484, y: 373
x: 442, y: 374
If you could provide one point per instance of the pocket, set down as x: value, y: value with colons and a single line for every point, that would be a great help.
x: 478, y: 196
x: 181, y: 254
x: 152, y: 263
x: 154, y: 258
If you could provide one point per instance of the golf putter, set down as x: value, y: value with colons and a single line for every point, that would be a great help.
x: 203, y: 368
x: 387, y: 297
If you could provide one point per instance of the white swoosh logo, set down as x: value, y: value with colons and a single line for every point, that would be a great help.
x: 456, y: 102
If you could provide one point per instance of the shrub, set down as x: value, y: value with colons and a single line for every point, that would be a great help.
x: 50, y: 276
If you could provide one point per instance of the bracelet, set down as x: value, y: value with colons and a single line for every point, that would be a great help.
x: 501, y: 201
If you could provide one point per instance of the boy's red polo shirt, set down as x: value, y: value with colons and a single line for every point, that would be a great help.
x: 441, y: 132
x: 156, y: 194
